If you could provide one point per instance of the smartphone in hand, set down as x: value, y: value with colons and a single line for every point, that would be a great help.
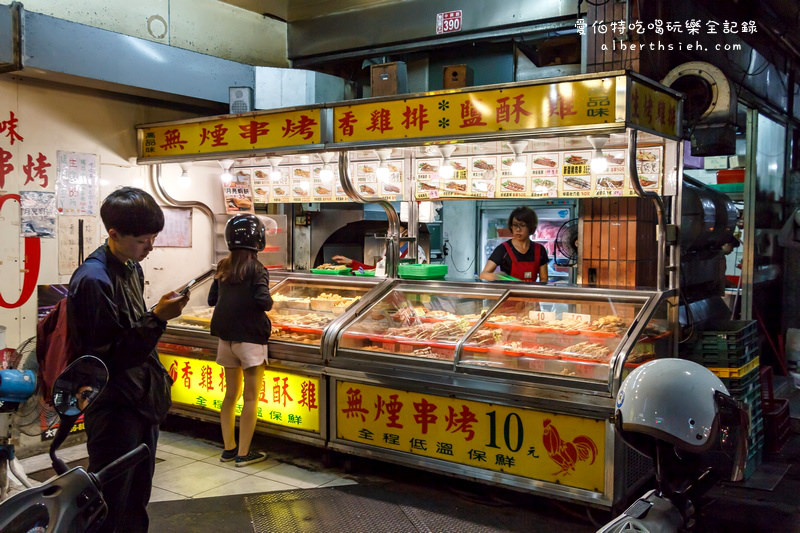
x: 186, y: 288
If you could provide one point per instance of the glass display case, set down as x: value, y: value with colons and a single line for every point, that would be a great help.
x: 418, y: 321
x: 304, y: 306
x: 526, y: 331
x: 567, y: 336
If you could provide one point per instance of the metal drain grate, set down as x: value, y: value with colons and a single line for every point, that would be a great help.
x: 336, y: 510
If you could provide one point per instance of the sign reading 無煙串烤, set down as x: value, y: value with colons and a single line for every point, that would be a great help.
x: 231, y: 134
x: 563, y: 449
x: 285, y: 399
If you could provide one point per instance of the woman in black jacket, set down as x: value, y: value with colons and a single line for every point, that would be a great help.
x: 240, y: 292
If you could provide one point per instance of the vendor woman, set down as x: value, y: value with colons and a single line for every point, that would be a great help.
x: 519, y: 257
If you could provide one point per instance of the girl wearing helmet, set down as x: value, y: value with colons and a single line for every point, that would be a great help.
x: 240, y: 294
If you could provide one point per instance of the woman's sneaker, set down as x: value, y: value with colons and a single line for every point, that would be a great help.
x: 229, y: 455
x: 250, y: 458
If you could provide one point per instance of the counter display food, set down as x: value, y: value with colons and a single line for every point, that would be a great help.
x: 414, y: 322
x: 303, y: 307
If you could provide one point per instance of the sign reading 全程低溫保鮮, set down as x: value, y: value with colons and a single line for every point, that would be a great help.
x: 562, y: 449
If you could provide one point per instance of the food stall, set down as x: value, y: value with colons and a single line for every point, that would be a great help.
x: 504, y: 383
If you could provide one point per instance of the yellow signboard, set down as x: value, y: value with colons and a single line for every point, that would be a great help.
x: 572, y: 103
x: 562, y: 449
x: 289, y: 400
x: 229, y: 134
x: 652, y: 109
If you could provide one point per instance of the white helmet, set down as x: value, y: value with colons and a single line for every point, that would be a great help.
x: 684, y: 404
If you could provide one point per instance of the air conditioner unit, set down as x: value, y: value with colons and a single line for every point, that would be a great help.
x: 241, y: 99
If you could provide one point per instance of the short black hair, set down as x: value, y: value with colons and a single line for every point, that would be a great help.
x: 526, y: 215
x: 132, y: 211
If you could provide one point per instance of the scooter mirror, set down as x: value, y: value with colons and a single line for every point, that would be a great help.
x: 78, y: 386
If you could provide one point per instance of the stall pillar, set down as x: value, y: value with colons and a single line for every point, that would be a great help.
x: 619, y: 242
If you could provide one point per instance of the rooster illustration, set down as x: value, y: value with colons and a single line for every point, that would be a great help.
x: 564, y: 453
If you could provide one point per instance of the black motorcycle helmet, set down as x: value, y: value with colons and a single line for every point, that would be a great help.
x: 245, y: 232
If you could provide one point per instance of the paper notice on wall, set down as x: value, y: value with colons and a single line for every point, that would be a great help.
x: 77, y: 188
x: 177, y: 232
x: 77, y: 239
x: 38, y: 214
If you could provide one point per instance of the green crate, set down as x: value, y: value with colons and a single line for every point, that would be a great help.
x: 364, y: 273
x: 725, y: 358
x: 418, y: 271
x: 341, y: 272
x: 743, y: 387
x: 728, y: 334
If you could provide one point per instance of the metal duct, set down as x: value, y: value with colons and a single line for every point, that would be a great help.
x: 710, y: 107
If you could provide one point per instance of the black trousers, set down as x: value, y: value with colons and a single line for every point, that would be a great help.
x: 113, y: 430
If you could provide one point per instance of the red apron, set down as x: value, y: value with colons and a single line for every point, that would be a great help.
x: 526, y: 271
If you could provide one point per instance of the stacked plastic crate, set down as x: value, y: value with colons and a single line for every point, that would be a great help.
x: 729, y: 348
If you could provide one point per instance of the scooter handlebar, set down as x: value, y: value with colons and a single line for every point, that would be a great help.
x: 122, y: 464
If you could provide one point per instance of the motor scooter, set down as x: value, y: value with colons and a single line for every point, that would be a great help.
x: 73, y: 500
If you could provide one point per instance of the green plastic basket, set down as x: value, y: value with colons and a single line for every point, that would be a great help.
x: 342, y: 272
x: 364, y: 273
x: 417, y: 271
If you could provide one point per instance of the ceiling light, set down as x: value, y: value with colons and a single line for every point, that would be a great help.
x: 446, y: 170
x: 383, y: 171
x: 226, y: 175
x: 275, y: 173
x: 518, y: 166
x: 599, y: 163
x: 183, y: 181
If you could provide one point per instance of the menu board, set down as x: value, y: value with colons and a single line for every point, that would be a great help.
x: 323, y: 185
x: 511, y: 184
x: 576, y: 179
x: 279, y: 186
x: 238, y: 195
x: 483, y: 176
x: 648, y: 165
x: 391, y: 188
x: 544, y: 174
x: 458, y: 185
x: 300, y: 183
x: 261, y: 185
x: 427, y: 179
x: 611, y: 182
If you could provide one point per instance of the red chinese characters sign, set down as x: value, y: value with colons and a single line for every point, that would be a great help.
x: 516, y: 108
x: 285, y: 399
x: 565, y: 449
x: 652, y: 109
x: 227, y: 134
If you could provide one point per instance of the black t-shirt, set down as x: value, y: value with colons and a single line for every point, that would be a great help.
x: 501, y: 258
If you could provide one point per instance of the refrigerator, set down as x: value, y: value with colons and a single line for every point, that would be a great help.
x: 552, y: 214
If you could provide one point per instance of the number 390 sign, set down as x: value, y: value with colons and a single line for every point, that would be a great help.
x: 448, y: 22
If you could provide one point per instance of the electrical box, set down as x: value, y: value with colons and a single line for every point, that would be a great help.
x: 436, y: 243
x: 456, y: 77
x: 387, y: 79
x: 240, y: 99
